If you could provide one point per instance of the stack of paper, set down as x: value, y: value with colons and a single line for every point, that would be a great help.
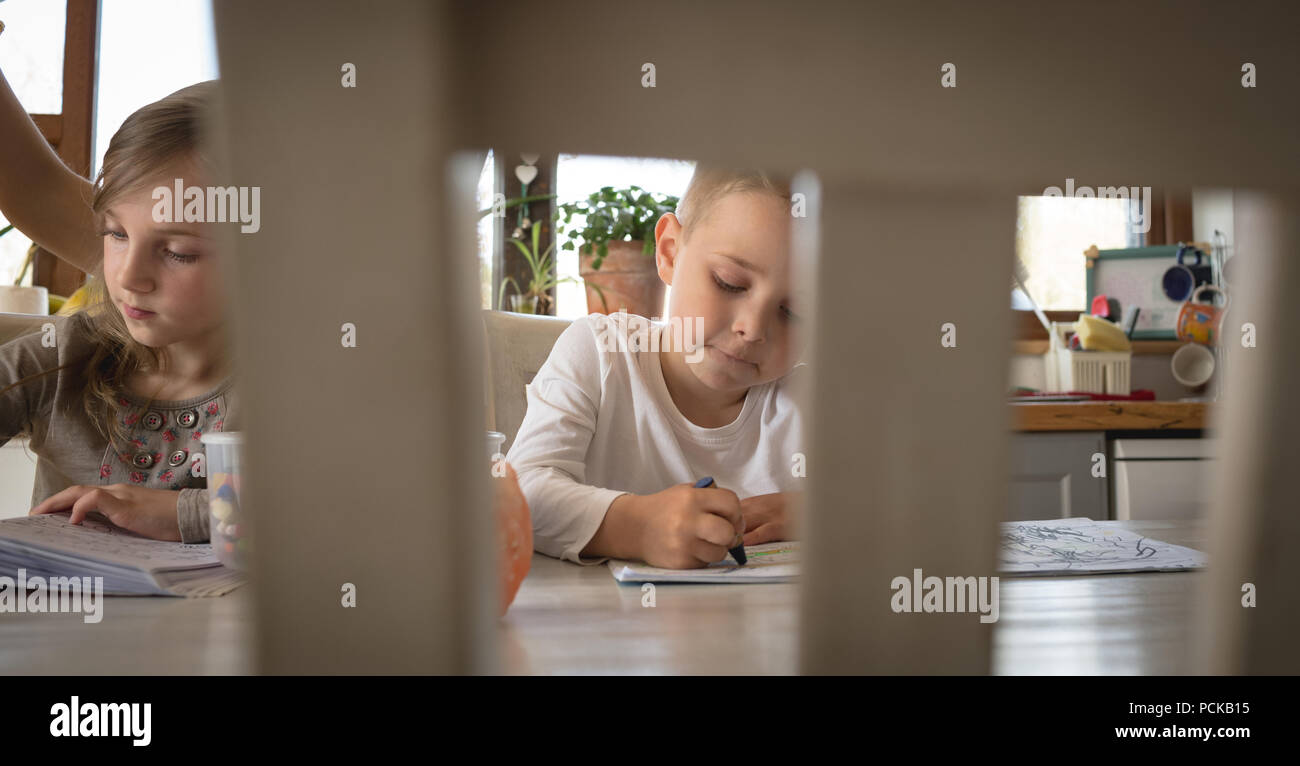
x: 131, y: 565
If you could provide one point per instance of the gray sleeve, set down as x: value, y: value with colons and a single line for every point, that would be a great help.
x: 192, y: 515
x: 23, y: 405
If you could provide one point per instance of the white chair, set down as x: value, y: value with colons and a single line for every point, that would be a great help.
x: 517, y: 346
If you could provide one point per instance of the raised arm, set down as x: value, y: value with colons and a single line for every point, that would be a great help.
x: 39, y: 195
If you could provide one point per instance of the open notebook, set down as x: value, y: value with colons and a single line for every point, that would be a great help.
x: 131, y: 565
x: 1077, y: 546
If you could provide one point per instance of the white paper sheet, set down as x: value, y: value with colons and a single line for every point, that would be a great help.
x: 770, y: 562
x: 1083, y: 546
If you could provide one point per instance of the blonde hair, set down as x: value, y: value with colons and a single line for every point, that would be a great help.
x: 149, y: 142
x: 710, y: 183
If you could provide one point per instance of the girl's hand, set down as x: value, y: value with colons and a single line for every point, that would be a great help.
x: 771, y: 518
x: 148, y: 512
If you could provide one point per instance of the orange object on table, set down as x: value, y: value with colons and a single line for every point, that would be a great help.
x: 514, y: 533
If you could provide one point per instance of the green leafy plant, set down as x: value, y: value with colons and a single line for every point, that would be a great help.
x: 540, y: 266
x: 613, y: 215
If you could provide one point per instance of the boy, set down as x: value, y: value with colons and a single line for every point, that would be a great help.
x: 617, y: 432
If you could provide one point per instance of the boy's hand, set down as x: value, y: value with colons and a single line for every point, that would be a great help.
x: 148, y: 512
x: 686, y: 528
x: 771, y: 518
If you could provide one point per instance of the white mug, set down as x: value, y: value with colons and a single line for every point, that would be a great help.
x: 1192, y: 364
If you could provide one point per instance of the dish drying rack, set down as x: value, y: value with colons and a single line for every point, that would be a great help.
x: 1093, y: 372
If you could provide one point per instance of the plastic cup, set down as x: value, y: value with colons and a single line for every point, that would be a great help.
x: 495, y: 440
x: 227, y: 527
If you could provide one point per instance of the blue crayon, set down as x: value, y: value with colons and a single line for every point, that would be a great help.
x: 737, y: 553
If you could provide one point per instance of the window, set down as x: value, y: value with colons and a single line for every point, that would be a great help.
x: 487, y: 230
x: 1051, y: 235
x: 183, y: 51
x: 32, y: 53
x: 31, y: 56
x: 577, y: 176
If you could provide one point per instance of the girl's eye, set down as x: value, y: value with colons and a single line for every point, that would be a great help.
x: 118, y: 235
x: 726, y: 286
x: 789, y: 314
x: 181, y: 257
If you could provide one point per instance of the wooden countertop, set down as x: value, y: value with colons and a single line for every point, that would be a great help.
x: 1108, y: 416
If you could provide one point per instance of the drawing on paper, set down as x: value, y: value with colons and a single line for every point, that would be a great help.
x: 1083, y: 545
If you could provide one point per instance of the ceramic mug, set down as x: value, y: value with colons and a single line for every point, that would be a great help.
x: 1180, y: 279
x: 1192, y: 365
x: 1199, y: 322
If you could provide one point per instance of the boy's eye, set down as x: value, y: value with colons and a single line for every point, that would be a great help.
x: 726, y: 286
x: 181, y: 257
x: 788, y: 313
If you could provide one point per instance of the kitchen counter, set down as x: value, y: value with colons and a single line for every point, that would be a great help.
x: 1108, y: 416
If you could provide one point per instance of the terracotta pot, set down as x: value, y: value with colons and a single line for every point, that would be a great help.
x: 628, y: 279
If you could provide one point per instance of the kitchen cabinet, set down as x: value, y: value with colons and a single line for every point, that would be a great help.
x: 1161, y: 479
x: 1052, y: 476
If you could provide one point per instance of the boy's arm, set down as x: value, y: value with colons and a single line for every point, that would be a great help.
x: 550, y: 451
x: 39, y: 195
x: 620, y: 532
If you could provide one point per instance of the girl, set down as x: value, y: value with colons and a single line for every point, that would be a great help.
x: 114, y: 400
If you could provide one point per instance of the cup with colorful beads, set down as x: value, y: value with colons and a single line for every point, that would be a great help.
x: 227, y: 527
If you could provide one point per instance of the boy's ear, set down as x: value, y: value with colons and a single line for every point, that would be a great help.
x: 668, y: 234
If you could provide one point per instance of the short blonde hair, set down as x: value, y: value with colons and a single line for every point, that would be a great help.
x: 710, y: 183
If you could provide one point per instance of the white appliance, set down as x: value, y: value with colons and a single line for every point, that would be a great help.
x: 1155, y: 479
x: 17, y: 477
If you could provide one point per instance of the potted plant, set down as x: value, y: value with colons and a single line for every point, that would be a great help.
x: 541, y: 279
x: 616, y: 245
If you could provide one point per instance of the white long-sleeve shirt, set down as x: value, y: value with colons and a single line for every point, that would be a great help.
x: 600, y: 423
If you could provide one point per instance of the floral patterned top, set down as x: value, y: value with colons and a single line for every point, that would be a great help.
x: 164, y: 451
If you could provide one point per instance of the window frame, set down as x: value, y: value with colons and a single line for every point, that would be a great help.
x: 70, y: 132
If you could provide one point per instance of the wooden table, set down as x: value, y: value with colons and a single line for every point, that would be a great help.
x: 577, y: 620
